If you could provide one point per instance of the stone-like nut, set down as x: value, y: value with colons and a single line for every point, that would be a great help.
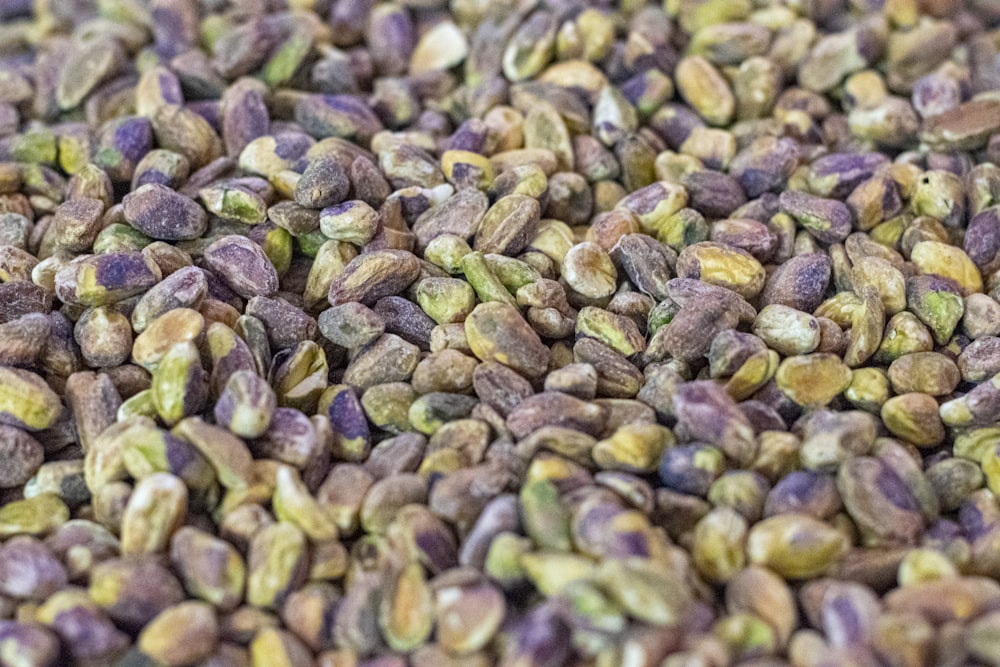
x: 26, y: 401
x: 879, y: 502
x: 966, y: 127
x: 468, y: 611
x: 22, y: 455
x: 29, y: 570
x: 156, y: 508
x: 324, y: 183
x: 869, y: 389
x: 79, y: 622
x: 691, y: 469
x: 724, y: 266
x: 948, y: 261
x: 173, y: 327
x: 181, y: 635
x: 914, y: 417
x: 373, y: 275
x: 795, y: 546
x: 799, y: 283
x: 227, y: 454
x: 34, y: 643
x: 133, y: 591
x: 96, y: 280
x: 497, y: 332
x: 978, y: 407
x: 555, y: 409
x: 210, y: 568
x: 867, y: 322
x: 758, y: 590
x: 446, y: 300
x: 929, y: 373
x: 718, y: 550
x: 246, y: 405
x: 886, y: 279
x: 185, y: 288
x: 352, y: 221
x: 705, y: 89
x: 163, y: 214
x: 293, y: 503
x: 242, y: 265
x: 351, y: 325
x: 813, y: 380
x: 706, y: 413
x: 277, y: 564
x: 655, y: 206
x: 828, y: 220
x: 787, y: 330
x: 183, y: 131
x: 508, y: 226
x: 588, y: 269
x: 405, y: 611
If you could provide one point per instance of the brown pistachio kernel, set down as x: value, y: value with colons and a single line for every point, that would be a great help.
x: 813, y: 380
x: 497, y: 332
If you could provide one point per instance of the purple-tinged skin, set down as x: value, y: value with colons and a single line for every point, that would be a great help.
x: 391, y: 39
x: 175, y: 27
x: 538, y: 638
x: 982, y: 240
x: 829, y: 220
x: 804, y: 491
x: 502, y: 514
x: 674, y: 123
x: 164, y: 214
x: 706, y: 413
x: 244, y: 116
x: 343, y: 116
x: 209, y: 110
x: 765, y: 165
x: 290, y: 438
x: 762, y: 416
x: 678, y: 471
x: 472, y: 135
x: 122, y: 144
x: 347, y: 417
x: 842, y: 172
x: 242, y: 265
x: 849, y: 610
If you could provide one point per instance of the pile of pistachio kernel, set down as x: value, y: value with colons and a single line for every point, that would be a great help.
x: 523, y: 333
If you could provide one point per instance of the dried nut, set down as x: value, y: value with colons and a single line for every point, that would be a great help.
x: 725, y: 266
x: 705, y: 89
x: 813, y: 380
x: 924, y: 372
x: 588, y: 269
x: 828, y: 220
x: 156, y: 508
x: 181, y: 635
x: 787, y: 330
x: 163, y: 214
x: 497, y: 332
x: 174, y: 327
x: 210, y: 568
x: 26, y: 401
x: 947, y: 261
x: 914, y: 417
x: 293, y: 503
x: 373, y: 275
x: 277, y: 564
x: 242, y: 265
x: 718, y: 550
x: 795, y: 546
x: 97, y: 280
